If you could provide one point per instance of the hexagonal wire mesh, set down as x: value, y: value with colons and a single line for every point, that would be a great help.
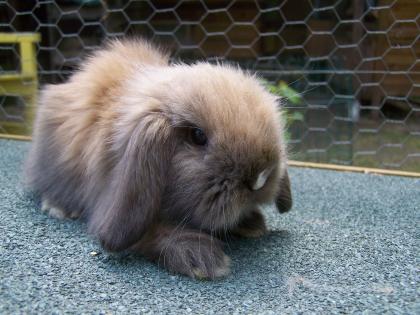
x: 355, y: 63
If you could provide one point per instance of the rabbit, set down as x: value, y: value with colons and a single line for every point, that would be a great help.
x: 160, y: 158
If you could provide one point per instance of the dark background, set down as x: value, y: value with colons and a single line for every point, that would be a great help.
x: 355, y: 63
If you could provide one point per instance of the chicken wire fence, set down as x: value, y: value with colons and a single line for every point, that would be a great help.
x: 349, y: 70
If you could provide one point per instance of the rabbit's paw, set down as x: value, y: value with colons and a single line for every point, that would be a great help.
x: 194, y: 254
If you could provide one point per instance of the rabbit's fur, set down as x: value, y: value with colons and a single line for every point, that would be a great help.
x: 113, y: 146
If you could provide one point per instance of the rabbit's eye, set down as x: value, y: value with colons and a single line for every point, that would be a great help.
x: 198, y: 136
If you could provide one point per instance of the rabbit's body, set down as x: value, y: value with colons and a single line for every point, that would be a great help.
x: 157, y: 157
x: 73, y: 127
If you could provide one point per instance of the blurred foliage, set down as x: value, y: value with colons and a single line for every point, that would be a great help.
x: 283, y: 90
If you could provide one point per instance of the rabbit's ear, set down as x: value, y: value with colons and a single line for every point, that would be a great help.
x: 284, y: 196
x: 132, y: 197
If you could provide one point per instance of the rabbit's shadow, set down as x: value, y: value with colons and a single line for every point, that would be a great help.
x: 258, y: 253
x: 248, y: 256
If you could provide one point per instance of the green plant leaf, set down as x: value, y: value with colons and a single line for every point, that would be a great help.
x: 290, y: 94
x: 284, y: 90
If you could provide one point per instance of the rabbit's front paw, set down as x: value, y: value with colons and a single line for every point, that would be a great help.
x: 194, y: 254
x: 56, y: 212
x: 52, y: 211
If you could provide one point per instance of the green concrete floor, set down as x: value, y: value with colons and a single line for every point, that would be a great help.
x: 350, y: 245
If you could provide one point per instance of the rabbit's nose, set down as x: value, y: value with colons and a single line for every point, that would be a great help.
x: 261, y: 179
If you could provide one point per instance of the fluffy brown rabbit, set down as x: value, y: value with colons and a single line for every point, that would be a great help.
x: 160, y: 158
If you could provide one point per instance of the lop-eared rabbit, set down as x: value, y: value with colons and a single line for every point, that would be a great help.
x: 160, y: 158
